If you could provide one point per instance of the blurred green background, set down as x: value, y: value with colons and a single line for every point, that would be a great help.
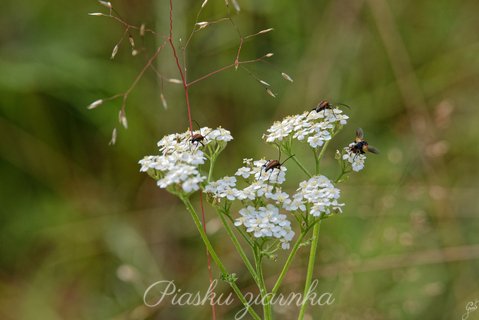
x: 83, y: 233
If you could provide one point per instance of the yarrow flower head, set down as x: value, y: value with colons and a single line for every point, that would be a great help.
x: 318, y: 194
x: 266, y: 222
x: 216, y: 135
x: 178, y: 164
x: 316, y: 127
x: 259, y: 183
x: 224, y: 188
x: 262, y: 196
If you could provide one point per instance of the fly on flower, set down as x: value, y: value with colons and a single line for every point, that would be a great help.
x: 360, y: 145
x: 355, y: 153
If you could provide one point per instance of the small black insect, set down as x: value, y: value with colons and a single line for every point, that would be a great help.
x: 361, y: 146
x: 326, y: 105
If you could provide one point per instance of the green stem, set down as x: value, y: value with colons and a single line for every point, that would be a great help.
x: 262, y: 286
x: 238, y: 247
x: 212, y: 165
x: 309, y: 274
x: 340, y: 176
x: 288, y: 263
x: 215, y: 257
x: 242, y: 232
x: 323, y: 150
x: 343, y: 172
x: 316, y: 160
x: 301, y: 166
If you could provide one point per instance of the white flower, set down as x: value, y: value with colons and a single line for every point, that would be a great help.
x: 177, y: 168
x: 220, y: 134
x: 192, y: 184
x: 247, y: 161
x: 315, y: 127
x: 355, y: 159
x: 247, y: 193
x: 229, y: 181
x: 148, y: 162
x: 280, y: 130
x: 263, y: 185
x: 266, y: 222
x: 230, y: 194
x: 272, y: 176
x: 244, y: 172
x: 315, y: 141
x: 320, y: 193
x: 223, y: 188
x: 179, y: 159
x: 294, y: 204
x: 278, y: 196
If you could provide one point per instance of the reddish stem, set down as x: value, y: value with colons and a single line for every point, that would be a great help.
x: 188, y: 106
x: 210, y: 74
x: 140, y: 75
x: 239, y: 51
x: 223, y: 69
x: 180, y: 69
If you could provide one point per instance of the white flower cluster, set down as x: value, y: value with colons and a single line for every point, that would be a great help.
x: 180, y: 158
x: 261, y: 183
x: 355, y: 159
x: 257, y: 169
x: 266, y: 222
x: 215, y: 135
x: 314, y: 127
x: 319, y: 194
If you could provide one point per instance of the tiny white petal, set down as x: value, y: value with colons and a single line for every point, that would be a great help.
x: 265, y: 83
x: 286, y: 76
x: 113, y: 137
x: 114, y: 52
x: 265, y: 31
x: 236, y: 5
x: 163, y: 101
x: 95, y: 104
x: 268, y: 90
x: 105, y: 3
x: 173, y: 80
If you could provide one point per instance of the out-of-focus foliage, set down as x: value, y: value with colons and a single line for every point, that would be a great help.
x: 83, y: 233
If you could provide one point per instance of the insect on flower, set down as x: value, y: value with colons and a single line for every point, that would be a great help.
x: 198, y: 138
x: 360, y: 145
x: 324, y: 105
x: 274, y: 164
